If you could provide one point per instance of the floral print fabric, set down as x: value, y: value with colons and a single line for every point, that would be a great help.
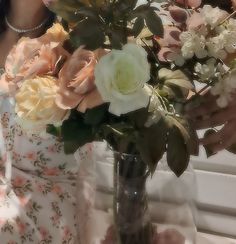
x: 37, y: 186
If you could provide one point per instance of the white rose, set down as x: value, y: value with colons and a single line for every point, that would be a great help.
x: 35, y: 105
x: 120, y: 77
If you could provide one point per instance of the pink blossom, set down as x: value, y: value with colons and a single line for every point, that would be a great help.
x: 21, y: 227
x: 31, y: 156
x: 19, y: 181
x: 51, y: 171
x: 180, y: 15
x: 57, y: 189
x: 43, y: 232
x: 190, y: 3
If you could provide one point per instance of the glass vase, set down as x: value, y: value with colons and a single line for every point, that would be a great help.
x: 131, y: 217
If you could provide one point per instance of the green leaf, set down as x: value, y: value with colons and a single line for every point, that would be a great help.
x: 209, y: 152
x: 88, y: 33
x: 53, y: 130
x: 139, y: 117
x: 189, y: 134
x: 151, y: 143
x: 178, y: 155
x: 181, y: 83
x: 194, y: 141
x: 117, y: 39
x: 181, y: 125
x: 138, y: 26
x: 66, y: 9
x: 75, y: 132
x: 88, y: 12
x: 174, y: 92
x: 154, y: 23
x: 96, y: 115
x: 71, y: 147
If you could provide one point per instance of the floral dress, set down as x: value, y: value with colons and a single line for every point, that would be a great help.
x: 37, y: 186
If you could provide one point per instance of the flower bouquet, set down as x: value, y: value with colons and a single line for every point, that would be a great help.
x: 115, y: 74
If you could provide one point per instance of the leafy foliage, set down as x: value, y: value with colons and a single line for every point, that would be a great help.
x: 110, y: 24
x: 95, y: 22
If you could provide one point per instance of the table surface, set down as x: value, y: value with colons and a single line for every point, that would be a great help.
x: 212, y: 239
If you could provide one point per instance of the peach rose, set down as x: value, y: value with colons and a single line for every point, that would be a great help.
x: 56, y: 33
x: 32, y: 57
x: 76, y: 81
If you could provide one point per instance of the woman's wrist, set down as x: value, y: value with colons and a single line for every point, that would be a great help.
x: 37, y: 13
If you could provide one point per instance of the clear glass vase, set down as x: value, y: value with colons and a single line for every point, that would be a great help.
x: 131, y: 217
x: 127, y: 206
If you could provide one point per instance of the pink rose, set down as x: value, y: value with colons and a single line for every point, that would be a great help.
x: 34, y: 57
x: 76, y: 81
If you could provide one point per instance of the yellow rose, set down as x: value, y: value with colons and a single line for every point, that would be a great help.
x: 35, y: 104
x: 57, y: 33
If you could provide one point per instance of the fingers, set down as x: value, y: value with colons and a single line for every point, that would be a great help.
x: 222, y: 139
x: 216, y: 119
x: 170, y: 236
x: 207, y: 106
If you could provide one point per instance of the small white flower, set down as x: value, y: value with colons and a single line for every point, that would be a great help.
x: 231, y: 25
x: 206, y: 71
x: 215, y: 47
x: 213, y: 16
x: 193, y: 44
x: 176, y: 57
x: 224, y: 89
x: 229, y: 40
x: 120, y: 77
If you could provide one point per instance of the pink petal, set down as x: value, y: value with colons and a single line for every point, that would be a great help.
x: 180, y: 15
x: 91, y: 100
x: 195, y: 21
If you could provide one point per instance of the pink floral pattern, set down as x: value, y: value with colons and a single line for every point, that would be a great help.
x: 37, y: 186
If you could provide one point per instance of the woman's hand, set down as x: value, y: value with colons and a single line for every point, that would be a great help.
x: 210, y: 115
x: 169, y: 236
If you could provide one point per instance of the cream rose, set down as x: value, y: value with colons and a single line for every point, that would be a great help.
x: 120, y: 77
x: 35, y: 104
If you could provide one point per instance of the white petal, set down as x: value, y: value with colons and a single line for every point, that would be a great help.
x: 141, y: 100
